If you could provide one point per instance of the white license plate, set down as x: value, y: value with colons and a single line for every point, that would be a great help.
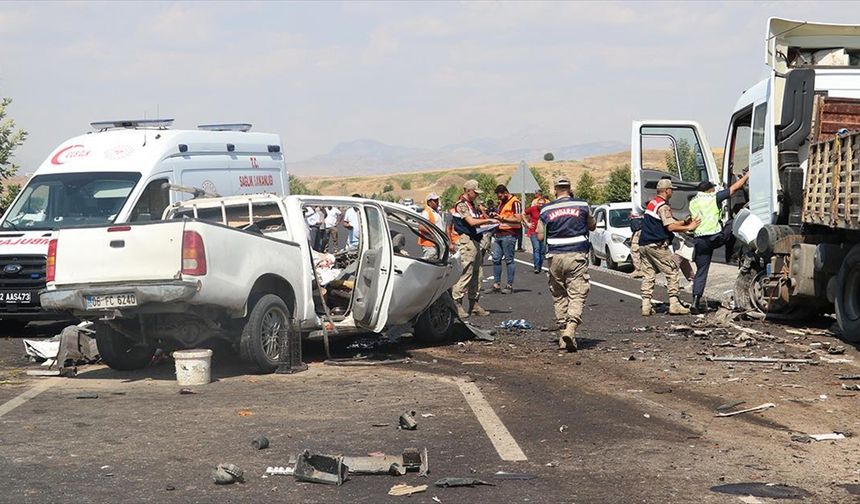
x: 16, y: 297
x: 110, y: 301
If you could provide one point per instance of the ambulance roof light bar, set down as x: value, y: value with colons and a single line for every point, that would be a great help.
x: 243, y: 127
x: 132, y: 123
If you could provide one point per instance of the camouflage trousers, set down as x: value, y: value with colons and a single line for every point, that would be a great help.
x: 469, y: 283
x: 569, y: 286
x: 657, y: 258
x: 635, y: 257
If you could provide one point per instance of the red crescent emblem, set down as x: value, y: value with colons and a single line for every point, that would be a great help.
x: 55, y: 160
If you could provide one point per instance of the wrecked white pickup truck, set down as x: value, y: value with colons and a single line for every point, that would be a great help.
x: 239, y: 268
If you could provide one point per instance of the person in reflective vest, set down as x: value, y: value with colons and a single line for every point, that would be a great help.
x: 658, y: 226
x: 467, y: 220
x: 425, y: 240
x: 510, y: 216
x: 565, y: 223
x: 710, y: 235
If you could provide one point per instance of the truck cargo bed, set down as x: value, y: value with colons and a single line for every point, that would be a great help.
x: 832, y: 189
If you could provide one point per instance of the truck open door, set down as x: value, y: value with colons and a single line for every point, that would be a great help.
x: 373, y: 282
x: 674, y: 149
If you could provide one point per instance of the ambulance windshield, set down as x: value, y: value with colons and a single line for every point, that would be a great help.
x: 70, y: 200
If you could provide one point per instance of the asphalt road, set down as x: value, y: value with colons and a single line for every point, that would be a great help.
x: 629, y: 418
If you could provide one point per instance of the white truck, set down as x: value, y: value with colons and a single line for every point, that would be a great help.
x: 121, y: 173
x: 798, y: 218
x: 239, y: 269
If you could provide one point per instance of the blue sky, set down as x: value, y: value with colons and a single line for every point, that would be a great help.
x: 415, y: 74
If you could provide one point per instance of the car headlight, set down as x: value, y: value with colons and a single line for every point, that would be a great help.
x: 617, y: 238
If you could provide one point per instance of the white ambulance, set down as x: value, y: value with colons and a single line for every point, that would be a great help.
x: 124, y: 171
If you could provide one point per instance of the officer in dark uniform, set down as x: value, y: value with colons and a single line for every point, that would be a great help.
x: 565, y: 223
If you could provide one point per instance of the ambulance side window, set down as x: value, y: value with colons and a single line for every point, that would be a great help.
x: 152, y: 202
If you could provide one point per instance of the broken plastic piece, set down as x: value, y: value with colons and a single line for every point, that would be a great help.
x: 279, y: 471
x: 261, y: 443
x: 460, y: 482
x: 830, y: 436
x: 227, y: 474
x: 504, y: 475
x: 324, y: 469
x: 403, y: 489
x: 407, y: 421
x: 760, y: 407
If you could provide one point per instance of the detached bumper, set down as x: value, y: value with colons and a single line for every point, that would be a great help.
x: 73, y: 298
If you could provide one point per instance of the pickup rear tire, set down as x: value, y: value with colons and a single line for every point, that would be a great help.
x: 120, y: 352
x: 847, y: 300
x: 258, y: 345
x: 437, y: 321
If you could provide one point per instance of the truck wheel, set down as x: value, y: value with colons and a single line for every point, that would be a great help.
x: 848, y: 296
x: 258, y: 345
x: 435, y: 324
x: 609, y: 262
x: 120, y: 352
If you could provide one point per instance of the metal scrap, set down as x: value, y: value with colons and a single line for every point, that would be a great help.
x: 396, y: 465
x: 326, y: 469
x: 407, y: 421
x: 460, y: 482
x: 227, y: 474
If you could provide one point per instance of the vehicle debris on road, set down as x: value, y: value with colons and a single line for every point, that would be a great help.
x: 227, y: 474
x: 460, y: 482
x: 260, y: 443
x: 763, y: 360
x: 504, y: 475
x: 279, y: 471
x: 755, y: 409
x: 396, y: 465
x: 407, y: 421
x: 404, y: 489
x: 515, y: 324
x: 326, y: 469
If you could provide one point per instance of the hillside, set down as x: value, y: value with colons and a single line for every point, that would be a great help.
x: 421, y: 183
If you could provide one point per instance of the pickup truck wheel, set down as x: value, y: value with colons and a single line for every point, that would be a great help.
x: 435, y: 324
x: 258, y: 346
x: 120, y: 352
x: 848, y: 296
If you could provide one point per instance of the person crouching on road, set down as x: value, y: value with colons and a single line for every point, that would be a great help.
x: 565, y: 223
x: 510, y: 216
x: 658, y: 226
x: 709, y: 235
x: 467, y: 218
x: 425, y: 241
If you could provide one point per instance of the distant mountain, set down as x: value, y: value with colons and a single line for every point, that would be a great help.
x: 371, y: 157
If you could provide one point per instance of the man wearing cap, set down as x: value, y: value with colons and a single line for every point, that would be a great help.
x: 539, y: 199
x: 565, y: 223
x: 709, y: 235
x: 431, y: 213
x: 467, y: 219
x: 510, y: 216
x: 658, y: 226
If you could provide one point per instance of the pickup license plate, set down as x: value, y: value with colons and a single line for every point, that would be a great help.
x: 16, y: 297
x: 110, y: 301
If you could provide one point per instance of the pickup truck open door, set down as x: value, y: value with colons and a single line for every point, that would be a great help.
x: 372, y: 293
x: 674, y: 149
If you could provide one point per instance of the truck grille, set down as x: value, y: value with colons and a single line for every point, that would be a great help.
x: 22, y: 272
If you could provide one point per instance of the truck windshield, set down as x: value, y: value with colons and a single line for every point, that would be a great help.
x: 619, y: 218
x: 69, y: 200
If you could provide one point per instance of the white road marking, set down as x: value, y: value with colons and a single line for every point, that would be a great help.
x: 26, y: 396
x: 505, y: 444
x: 596, y: 284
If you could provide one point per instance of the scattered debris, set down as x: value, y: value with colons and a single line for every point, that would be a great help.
x: 771, y: 490
x: 437, y: 500
x: 801, y: 438
x: 186, y: 391
x: 87, y: 395
x: 363, y: 360
x: 852, y: 386
x: 427, y: 415
x: 460, y: 482
x: 395, y: 465
x: 227, y: 474
x: 563, y: 428
x: 478, y: 333
x: 404, y: 489
x: 504, y: 475
x: 789, y: 368
x: 317, y: 468
x: 830, y: 436
x: 260, y: 443
x: 760, y: 407
x: 407, y: 421
x: 385, y: 424
x: 766, y: 360
x: 279, y: 471
x: 850, y: 377
x: 729, y: 406
x: 245, y: 413
x: 836, y: 350
x: 516, y: 324
x: 646, y: 415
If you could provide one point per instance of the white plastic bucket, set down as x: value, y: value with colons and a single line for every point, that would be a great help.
x: 193, y: 367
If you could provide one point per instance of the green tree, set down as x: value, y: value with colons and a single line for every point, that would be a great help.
x: 388, y: 187
x: 548, y: 157
x: 11, y: 137
x: 687, y: 157
x: 9, y: 196
x: 588, y: 189
x: 298, y: 186
x: 450, y: 196
x: 487, y: 183
x: 617, y: 188
x: 405, y: 184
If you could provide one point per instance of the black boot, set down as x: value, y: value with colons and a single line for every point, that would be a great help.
x: 698, y: 306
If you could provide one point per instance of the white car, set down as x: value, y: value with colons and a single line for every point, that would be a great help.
x: 610, y: 241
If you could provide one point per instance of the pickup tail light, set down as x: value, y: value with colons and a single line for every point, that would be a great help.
x: 193, y: 254
x: 51, y: 263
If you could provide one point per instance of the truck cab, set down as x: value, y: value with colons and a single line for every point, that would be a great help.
x: 123, y: 171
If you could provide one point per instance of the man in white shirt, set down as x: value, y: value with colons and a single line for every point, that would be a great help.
x: 352, y: 222
x: 313, y: 221
x: 332, y: 219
